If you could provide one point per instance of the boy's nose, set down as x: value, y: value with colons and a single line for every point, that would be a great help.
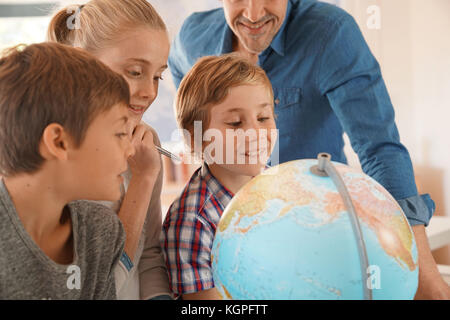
x: 254, y: 10
x: 254, y: 124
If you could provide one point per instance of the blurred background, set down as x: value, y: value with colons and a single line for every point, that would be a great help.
x: 408, y: 37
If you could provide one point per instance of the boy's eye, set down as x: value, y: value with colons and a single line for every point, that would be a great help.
x: 235, y: 124
x: 122, y: 134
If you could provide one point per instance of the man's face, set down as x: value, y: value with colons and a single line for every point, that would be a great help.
x: 255, y: 22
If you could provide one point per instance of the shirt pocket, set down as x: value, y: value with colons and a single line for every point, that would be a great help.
x: 287, y: 97
x: 287, y: 102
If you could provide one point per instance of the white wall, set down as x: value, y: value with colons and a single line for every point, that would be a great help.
x: 413, y: 48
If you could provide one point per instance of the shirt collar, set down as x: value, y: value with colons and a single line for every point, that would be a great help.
x: 220, y: 192
x: 278, y: 42
x: 226, y: 46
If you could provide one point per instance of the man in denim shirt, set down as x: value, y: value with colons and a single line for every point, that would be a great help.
x: 326, y: 81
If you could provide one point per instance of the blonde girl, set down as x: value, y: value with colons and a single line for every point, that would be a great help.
x: 131, y: 38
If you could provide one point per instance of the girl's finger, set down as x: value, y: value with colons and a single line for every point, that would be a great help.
x: 138, y: 134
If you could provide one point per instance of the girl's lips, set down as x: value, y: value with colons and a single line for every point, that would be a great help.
x: 137, y: 109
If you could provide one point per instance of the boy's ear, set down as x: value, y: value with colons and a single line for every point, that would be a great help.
x: 55, y: 142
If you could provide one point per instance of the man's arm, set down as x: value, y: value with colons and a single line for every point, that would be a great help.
x: 350, y: 77
x: 177, y: 56
x: 431, y: 284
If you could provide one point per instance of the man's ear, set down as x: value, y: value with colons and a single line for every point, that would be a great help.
x: 55, y: 142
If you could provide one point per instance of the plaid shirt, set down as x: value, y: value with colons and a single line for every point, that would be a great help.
x: 188, y: 232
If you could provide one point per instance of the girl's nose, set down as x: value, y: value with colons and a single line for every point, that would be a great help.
x: 147, y: 91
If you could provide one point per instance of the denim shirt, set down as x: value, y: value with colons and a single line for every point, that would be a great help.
x: 325, y: 81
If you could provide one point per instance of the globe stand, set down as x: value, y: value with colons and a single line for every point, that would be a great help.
x: 325, y: 168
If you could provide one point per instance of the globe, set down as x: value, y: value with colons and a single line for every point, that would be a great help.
x: 287, y: 234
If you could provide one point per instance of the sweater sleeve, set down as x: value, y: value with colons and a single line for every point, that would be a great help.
x: 153, y: 277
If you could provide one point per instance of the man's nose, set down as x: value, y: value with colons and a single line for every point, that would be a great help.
x: 254, y: 10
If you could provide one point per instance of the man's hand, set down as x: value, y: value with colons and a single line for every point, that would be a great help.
x: 431, y: 284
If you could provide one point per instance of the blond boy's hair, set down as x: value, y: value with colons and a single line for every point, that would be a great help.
x: 208, y: 83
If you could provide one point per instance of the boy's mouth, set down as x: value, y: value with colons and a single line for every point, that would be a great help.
x: 254, y: 153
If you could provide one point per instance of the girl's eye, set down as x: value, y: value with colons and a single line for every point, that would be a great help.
x: 263, y: 119
x: 235, y: 124
x: 160, y: 78
x: 134, y: 73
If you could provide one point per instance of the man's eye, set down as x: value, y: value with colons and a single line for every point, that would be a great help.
x: 235, y: 124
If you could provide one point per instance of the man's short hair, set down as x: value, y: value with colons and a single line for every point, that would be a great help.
x: 49, y: 83
x: 208, y: 83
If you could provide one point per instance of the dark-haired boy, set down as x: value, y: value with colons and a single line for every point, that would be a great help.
x: 63, y: 137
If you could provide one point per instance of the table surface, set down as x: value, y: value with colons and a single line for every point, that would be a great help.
x: 438, y: 232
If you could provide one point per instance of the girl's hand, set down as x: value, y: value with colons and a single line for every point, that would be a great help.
x: 146, y: 161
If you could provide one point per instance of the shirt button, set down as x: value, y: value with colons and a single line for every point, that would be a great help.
x: 277, y: 101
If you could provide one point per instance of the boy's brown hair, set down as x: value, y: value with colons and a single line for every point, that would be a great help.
x: 49, y: 83
x: 207, y: 84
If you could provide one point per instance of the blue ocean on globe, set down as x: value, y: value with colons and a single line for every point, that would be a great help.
x: 287, y: 235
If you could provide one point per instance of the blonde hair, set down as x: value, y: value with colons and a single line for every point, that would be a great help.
x: 208, y: 83
x: 96, y: 24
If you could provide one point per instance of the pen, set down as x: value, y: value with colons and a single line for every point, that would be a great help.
x: 168, y: 154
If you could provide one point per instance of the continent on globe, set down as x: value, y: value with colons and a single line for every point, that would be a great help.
x: 287, y: 235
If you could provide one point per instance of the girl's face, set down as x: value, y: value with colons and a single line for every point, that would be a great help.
x: 140, y: 56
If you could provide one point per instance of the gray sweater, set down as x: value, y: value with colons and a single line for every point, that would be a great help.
x: 27, y: 273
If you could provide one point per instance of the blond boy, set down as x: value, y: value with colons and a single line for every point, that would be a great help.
x: 232, y: 100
